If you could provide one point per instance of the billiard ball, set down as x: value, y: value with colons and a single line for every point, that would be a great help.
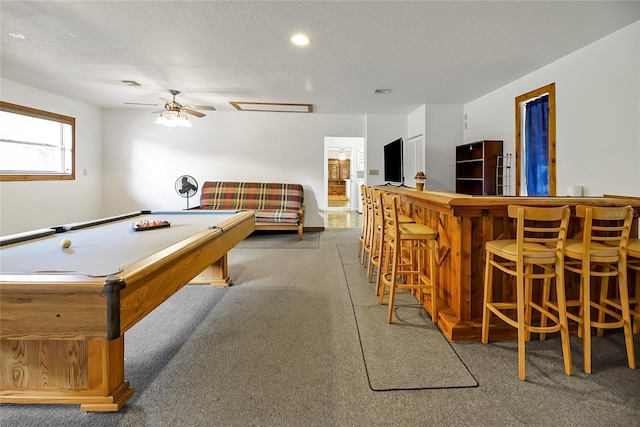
x: 65, y: 243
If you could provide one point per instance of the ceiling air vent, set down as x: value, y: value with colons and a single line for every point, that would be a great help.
x: 382, y: 91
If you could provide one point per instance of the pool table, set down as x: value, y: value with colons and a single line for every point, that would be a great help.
x: 64, y: 311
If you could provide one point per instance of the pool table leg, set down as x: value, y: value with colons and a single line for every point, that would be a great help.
x: 88, y: 373
x: 217, y: 274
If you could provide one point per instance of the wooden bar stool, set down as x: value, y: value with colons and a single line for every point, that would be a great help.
x: 602, y: 254
x: 536, y: 253
x: 633, y: 262
x: 368, y: 232
x: 363, y: 225
x: 404, y: 247
x: 377, y: 243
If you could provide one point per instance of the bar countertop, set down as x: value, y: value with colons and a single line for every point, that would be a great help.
x: 464, y: 224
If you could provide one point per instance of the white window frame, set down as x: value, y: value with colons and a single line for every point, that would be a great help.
x: 67, y: 167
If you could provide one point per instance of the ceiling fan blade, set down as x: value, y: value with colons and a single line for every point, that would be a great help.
x: 142, y: 103
x: 193, y: 112
x: 200, y: 107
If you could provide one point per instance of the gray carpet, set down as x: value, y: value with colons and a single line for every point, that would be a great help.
x: 280, y: 240
x: 281, y: 348
x: 409, y: 354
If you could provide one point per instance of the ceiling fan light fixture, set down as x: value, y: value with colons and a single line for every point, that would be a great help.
x: 184, y: 122
x: 174, y: 113
x: 173, y: 119
x: 161, y: 119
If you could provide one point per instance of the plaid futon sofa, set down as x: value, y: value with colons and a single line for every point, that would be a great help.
x: 277, y: 206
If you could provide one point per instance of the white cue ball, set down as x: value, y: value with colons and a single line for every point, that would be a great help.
x: 65, y: 243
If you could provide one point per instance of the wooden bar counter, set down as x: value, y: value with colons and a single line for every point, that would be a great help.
x: 464, y: 224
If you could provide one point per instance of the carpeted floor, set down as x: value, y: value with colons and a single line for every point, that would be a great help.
x: 281, y: 348
x: 409, y: 354
x: 280, y: 240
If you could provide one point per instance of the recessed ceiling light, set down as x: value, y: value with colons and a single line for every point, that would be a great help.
x: 300, y: 40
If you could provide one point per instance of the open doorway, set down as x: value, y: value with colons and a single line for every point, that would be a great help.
x: 339, y: 191
x: 344, y: 172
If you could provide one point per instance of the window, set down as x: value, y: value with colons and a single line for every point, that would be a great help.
x: 35, y: 145
x: 536, y: 175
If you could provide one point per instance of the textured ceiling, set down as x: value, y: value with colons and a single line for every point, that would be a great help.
x: 426, y: 52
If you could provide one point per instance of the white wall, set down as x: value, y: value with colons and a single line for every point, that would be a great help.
x: 142, y: 160
x: 441, y: 127
x: 381, y: 130
x: 29, y: 205
x: 443, y: 134
x: 597, y: 114
x: 416, y: 129
x: 417, y: 122
x: 638, y: 88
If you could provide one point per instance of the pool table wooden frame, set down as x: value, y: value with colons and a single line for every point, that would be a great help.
x: 55, y: 358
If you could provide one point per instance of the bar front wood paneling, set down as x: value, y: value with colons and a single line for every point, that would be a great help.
x: 465, y: 223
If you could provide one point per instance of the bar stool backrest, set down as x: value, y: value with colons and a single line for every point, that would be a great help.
x: 605, y: 228
x: 364, y: 210
x: 390, y: 209
x: 540, y: 232
x: 378, y: 211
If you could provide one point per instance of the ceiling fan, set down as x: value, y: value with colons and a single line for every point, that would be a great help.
x: 175, y: 107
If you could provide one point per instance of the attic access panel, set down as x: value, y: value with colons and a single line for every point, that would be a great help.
x: 273, y: 107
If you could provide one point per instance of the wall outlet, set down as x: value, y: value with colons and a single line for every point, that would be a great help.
x: 374, y: 172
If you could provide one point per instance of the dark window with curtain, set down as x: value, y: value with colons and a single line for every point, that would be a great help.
x: 537, y: 146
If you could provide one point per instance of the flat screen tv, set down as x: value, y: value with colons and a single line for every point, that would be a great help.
x: 393, y: 165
